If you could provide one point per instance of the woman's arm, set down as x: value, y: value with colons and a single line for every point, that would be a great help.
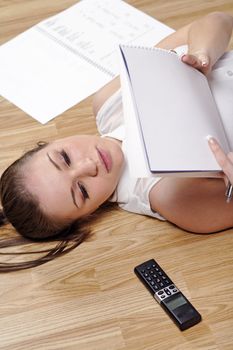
x: 206, y: 32
x: 207, y: 39
x: 194, y: 204
x: 199, y: 204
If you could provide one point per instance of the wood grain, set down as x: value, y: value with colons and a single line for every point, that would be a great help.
x: 90, y: 298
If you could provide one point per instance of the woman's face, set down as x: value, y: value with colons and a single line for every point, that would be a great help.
x: 73, y: 176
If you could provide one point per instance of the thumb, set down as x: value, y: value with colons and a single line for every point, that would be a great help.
x: 203, y: 62
x: 203, y: 59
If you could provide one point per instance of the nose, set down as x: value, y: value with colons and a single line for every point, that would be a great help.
x: 85, y: 167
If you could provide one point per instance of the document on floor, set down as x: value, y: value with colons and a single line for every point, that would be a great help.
x: 64, y: 59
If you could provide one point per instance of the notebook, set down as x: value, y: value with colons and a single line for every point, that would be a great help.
x: 170, y: 108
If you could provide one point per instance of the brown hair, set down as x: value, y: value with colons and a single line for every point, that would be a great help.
x: 22, y: 210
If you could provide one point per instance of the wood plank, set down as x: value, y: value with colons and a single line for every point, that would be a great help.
x: 90, y: 298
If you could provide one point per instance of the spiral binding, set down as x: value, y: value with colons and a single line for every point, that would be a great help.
x: 76, y: 52
x: 150, y: 48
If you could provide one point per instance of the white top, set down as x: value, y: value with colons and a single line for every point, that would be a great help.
x: 132, y: 194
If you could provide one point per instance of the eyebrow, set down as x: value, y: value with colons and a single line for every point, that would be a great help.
x: 73, y: 197
x: 54, y: 163
x: 59, y: 168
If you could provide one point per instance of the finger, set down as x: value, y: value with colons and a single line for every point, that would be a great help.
x: 230, y: 156
x: 223, y: 160
x: 199, y: 61
x: 219, y: 154
x: 189, y: 59
x: 226, y: 180
x: 205, y: 63
x: 203, y: 59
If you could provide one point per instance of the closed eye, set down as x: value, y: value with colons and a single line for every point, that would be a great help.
x: 65, y: 157
x: 83, y: 190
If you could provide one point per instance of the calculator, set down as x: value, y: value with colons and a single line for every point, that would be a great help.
x: 166, y: 293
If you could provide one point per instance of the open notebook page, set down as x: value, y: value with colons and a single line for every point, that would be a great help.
x: 221, y: 84
x: 175, y: 110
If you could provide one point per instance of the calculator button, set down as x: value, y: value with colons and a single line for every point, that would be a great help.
x: 172, y: 287
x: 160, y: 292
x: 167, y: 291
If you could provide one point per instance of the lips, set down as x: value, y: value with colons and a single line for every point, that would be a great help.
x: 105, y: 158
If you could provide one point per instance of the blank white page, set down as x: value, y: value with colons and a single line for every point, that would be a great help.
x: 175, y: 110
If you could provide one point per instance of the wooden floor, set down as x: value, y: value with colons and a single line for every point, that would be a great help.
x: 90, y: 298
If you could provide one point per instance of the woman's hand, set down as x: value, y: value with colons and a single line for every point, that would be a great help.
x: 207, y: 40
x: 225, y: 161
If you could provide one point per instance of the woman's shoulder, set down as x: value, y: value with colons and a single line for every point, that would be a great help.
x: 102, y: 95
x: 110, y: 116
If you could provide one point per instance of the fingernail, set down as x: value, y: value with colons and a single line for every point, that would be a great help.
x: 210, y: 139
x: 204, y: 63
x: 182, y: 56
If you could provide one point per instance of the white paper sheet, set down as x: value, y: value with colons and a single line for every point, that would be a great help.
x: 67, y: 57
x: 135, y: 152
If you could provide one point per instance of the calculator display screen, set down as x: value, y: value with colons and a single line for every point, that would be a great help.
x: 176, y: 302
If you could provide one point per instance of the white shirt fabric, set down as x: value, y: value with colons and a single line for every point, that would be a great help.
x: 131, y: 194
